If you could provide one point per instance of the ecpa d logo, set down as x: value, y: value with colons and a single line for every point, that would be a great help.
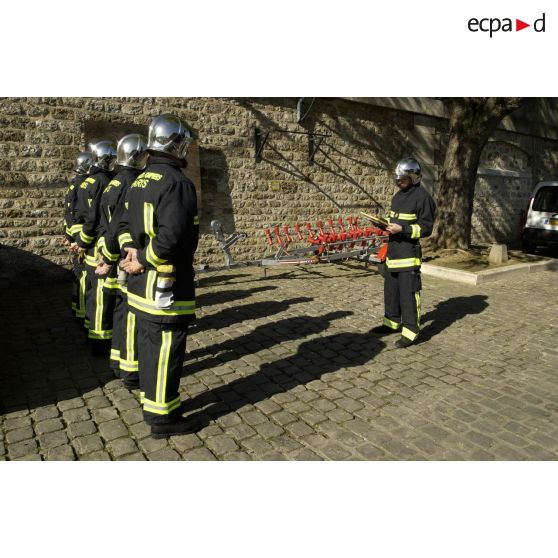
x: 493, y: 25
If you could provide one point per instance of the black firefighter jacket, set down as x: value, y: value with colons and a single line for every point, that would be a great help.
x: 110, y: 215
x: 413, y: 209
x: 88, y: 212
x: 70, y: 205
x: 161, y: 221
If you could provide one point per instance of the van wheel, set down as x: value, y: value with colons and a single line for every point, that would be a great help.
x: 528, y: 247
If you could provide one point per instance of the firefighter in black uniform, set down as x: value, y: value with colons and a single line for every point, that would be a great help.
x: 131, y: 157
x: 98, y: 308
x: 411, y: 218
x: 161, y: 238
x: 83, y: 165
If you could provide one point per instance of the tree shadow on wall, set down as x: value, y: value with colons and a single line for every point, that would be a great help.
x: 345, y: 120
x: 216, y: 200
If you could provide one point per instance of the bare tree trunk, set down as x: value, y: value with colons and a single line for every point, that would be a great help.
x: 471, y: 122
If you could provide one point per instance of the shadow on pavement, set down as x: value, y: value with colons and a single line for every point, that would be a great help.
x: 219, y: 297
x: 313, y: 359
x: 45, y: 358
x: 450, y: 311
x: 263, y: 337
x: 208, y: 279
x: 231, y: 316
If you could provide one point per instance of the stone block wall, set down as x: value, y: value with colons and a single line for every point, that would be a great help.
x: 351, y: 171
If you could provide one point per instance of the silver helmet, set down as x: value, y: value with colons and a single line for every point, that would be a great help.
x: 84, y: 161
x: 408, y: 167
x: 104, y: 154
x: 131, y: 151
x: 168, y: 134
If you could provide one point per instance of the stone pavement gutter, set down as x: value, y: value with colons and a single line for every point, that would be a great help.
x: 480, y: 277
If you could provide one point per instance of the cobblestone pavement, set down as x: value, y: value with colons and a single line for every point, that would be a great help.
x: 284, y: 368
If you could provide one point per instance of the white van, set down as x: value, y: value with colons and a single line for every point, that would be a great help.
x: 541, y: 219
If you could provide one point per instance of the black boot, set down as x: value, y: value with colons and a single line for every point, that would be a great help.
x: 99, y: 348
x: 175, y: 428
x: 403, y: 343
x: 131, y: 382
x: 383, y: 330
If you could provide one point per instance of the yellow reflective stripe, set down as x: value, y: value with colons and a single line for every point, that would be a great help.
x: 129, y: 365
x: 108, y: 254
x: 150, y: 285
x: 87, y: 323
x: 417, y: 300
x: 115, y: 355
x: 76, y: 228
x: 110, y: 283
x: 99, y: 307
x: 152, y: 258
x: 85, y: 237
x: 109, y: 215
x: 403, y: 216
x: 102, y: 334
x: 163, y: 366
x: 130, y: 333
x: 124, y: 238
x: 100, y: 242
x: 160, y: 408
x: 91, y: 261
x: 142, y: 397
x: 389, y: 323
x: 410, y: 335
x: 415, y: 231
x: 404, y: 262
x: 148, y: 219
x: 196, y: 220
x: 178, y: 308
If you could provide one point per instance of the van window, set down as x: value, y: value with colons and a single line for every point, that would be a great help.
x: 546, y: 200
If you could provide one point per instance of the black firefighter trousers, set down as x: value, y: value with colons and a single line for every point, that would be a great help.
x: 123, y: 352
x: 99, y: 307
x: 402, y: 302
x: 161, y: 349
x: 78, y: 289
